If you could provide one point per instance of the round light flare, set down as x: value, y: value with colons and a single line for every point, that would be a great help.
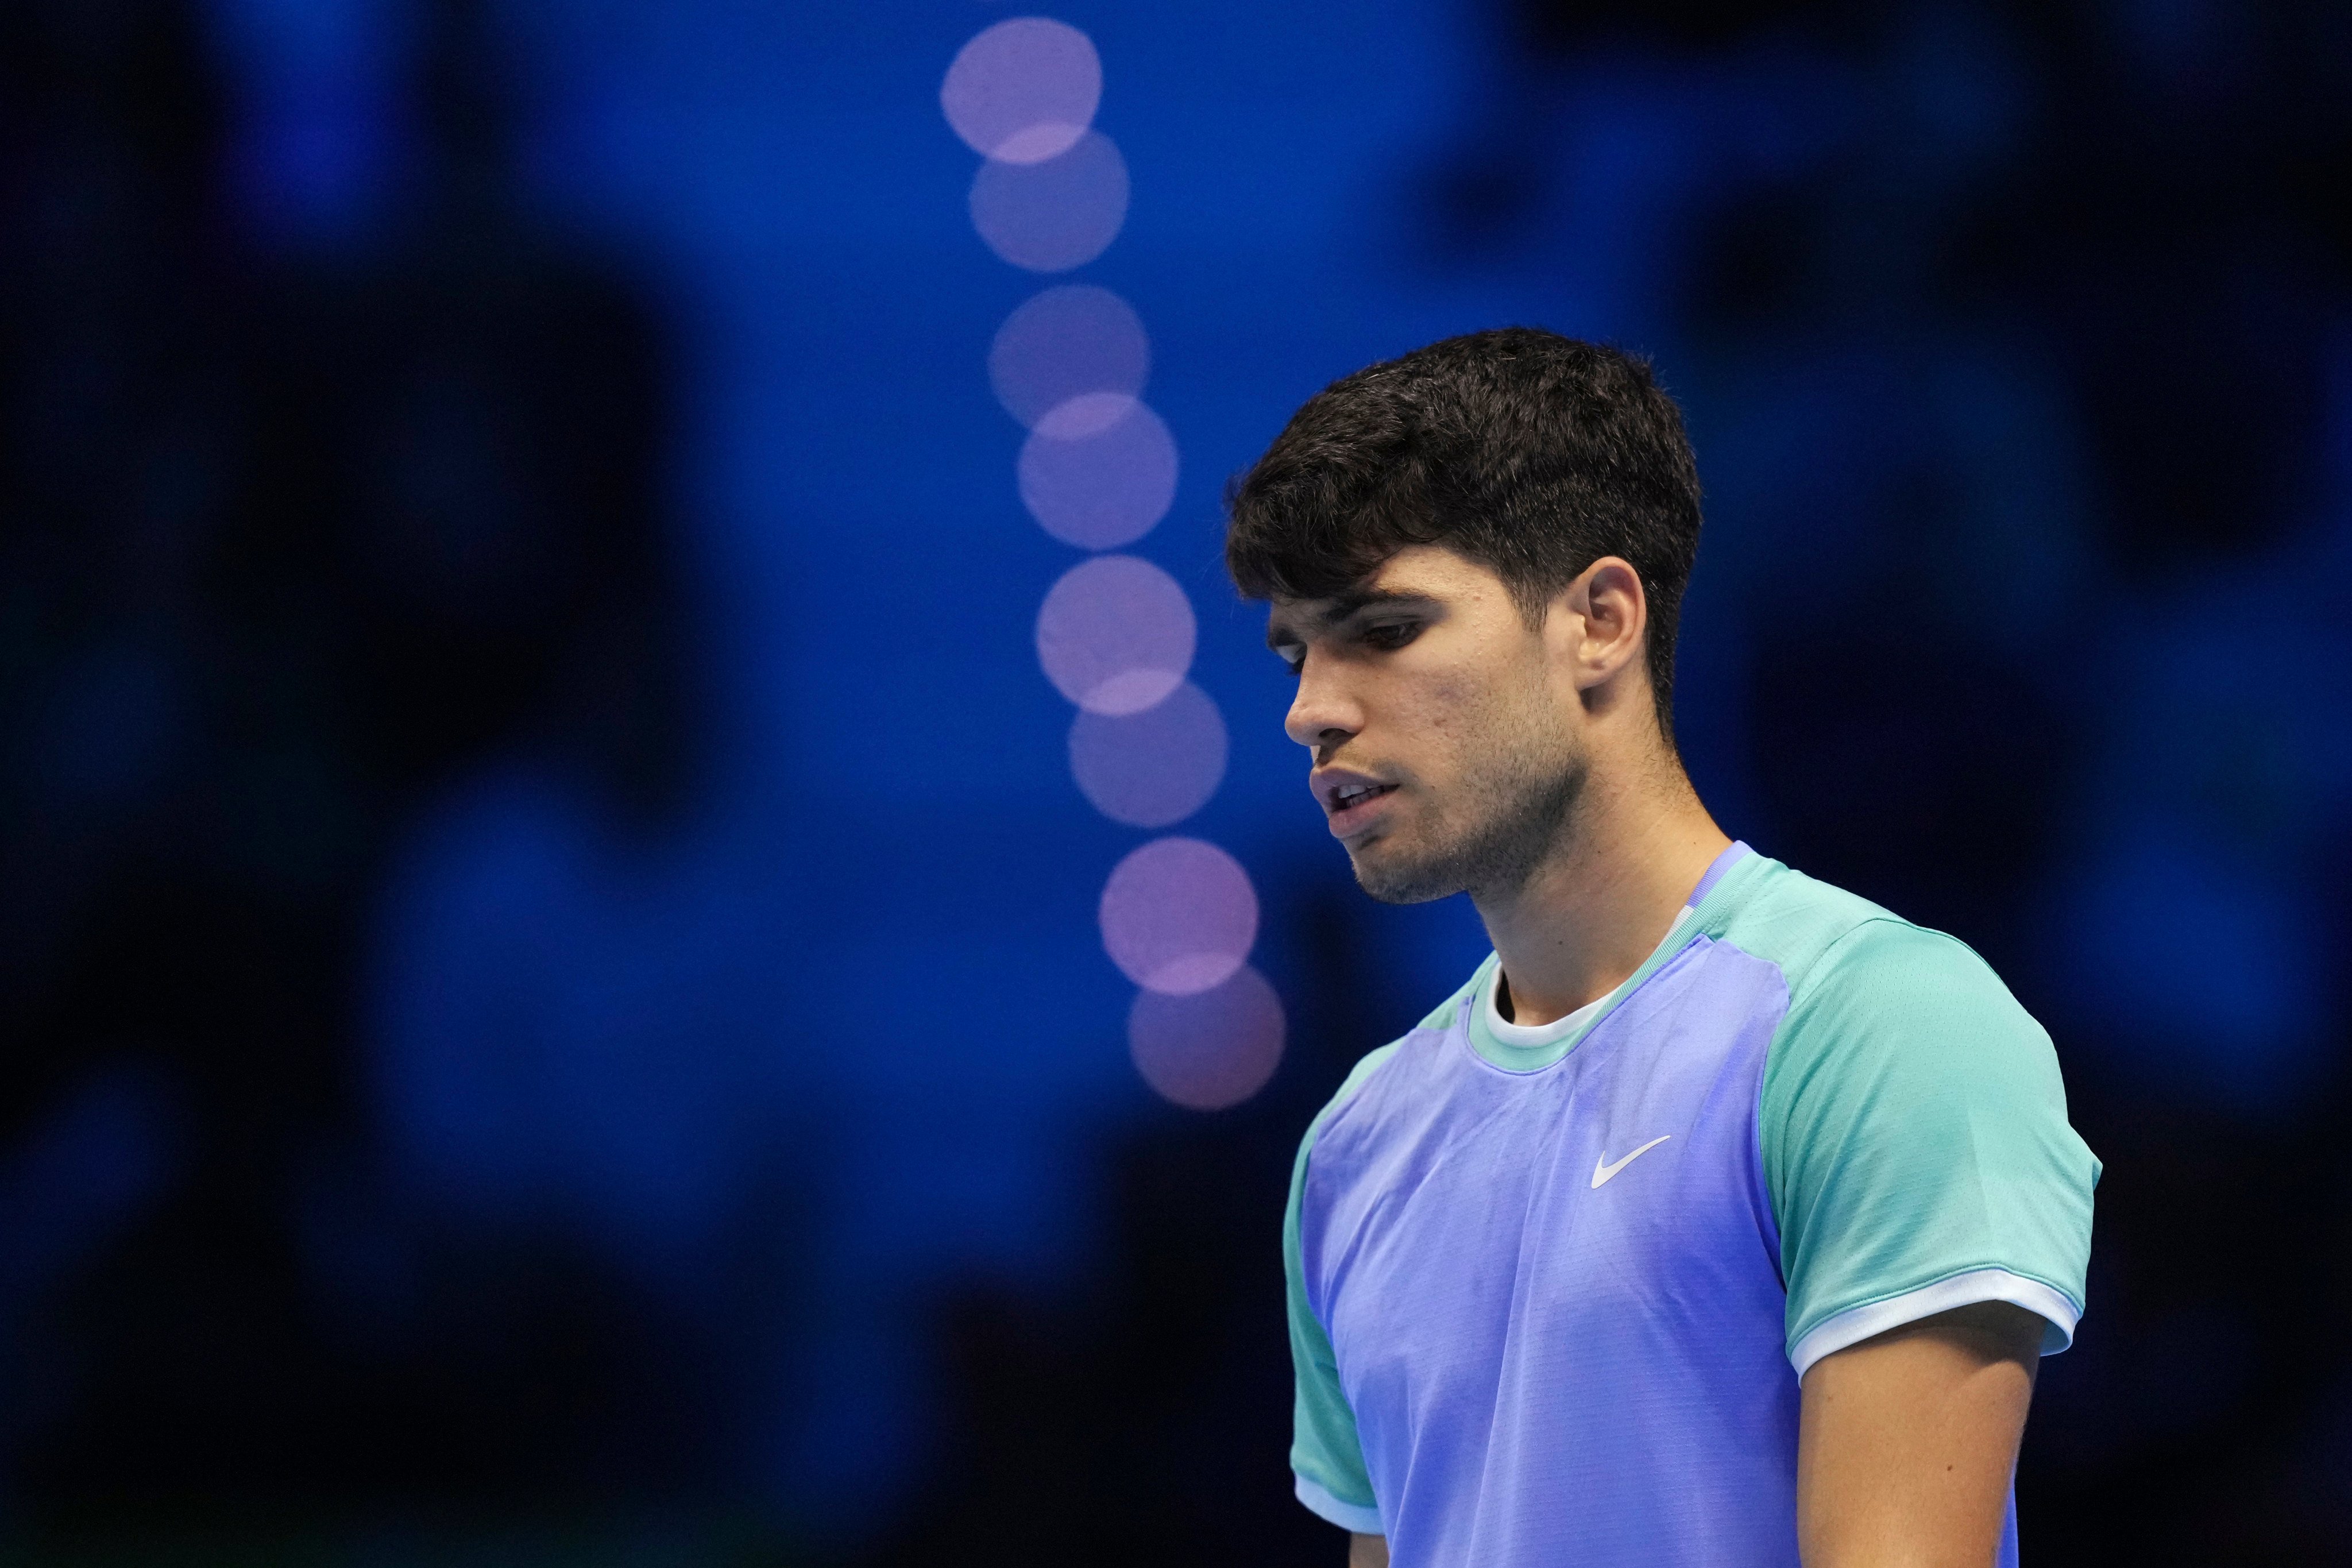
x: 1155, y: 768
x: 1052, y: 216
x: 1098, y: 472
x: 1212, y: 1049
x: 1023, y: 91
x: 1179, y: 916
x: 1065, y: 341
x: 1116, y: 634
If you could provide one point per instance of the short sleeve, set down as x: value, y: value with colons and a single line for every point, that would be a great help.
x: 1326, y: 1461
x: 1916, y: 1147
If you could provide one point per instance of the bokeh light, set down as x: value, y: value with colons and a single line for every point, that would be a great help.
x: 1023, y: 91
x: 1210, y: 1050
x: 1054, y: 215
x: 1116, y: 634
x: 1179, y: 916
x: 1069, y: 340
x: 1155, y: 768
x: 1098, y: 472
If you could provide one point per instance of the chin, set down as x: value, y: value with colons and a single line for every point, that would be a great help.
x: 1395, y: 878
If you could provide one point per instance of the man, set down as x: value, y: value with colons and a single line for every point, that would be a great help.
x: 1722, y: 1217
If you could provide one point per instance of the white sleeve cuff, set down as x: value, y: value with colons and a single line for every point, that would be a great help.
x: 1351, y: 1516
x: 1857, y: 1324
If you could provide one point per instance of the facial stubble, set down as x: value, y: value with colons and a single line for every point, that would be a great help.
x: 1497, y: 831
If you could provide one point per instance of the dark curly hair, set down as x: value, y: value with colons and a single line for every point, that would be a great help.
x: 1533, y: 454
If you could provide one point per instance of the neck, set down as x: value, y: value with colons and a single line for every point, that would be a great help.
x: 1600, y: 902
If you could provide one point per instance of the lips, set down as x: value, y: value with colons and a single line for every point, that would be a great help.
x: 1352, y: 800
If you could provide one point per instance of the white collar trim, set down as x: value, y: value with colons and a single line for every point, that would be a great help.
x: 1536, y: 1037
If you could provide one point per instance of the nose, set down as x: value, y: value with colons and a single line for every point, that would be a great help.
x: 1323, y: 713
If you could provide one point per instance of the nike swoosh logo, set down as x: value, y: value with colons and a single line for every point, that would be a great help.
x: 1602, y: 1173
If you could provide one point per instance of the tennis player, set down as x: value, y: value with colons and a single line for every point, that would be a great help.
x: 1722, y: 1217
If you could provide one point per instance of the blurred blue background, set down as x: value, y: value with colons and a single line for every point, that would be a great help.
x: 547, y: 935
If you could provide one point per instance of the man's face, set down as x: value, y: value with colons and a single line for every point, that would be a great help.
x: 1446, y: 741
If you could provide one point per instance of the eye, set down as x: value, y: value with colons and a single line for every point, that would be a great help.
x: 1390, y: 636
x: 1294, y: 658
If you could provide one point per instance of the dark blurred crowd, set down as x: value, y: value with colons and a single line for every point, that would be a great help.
x: 291, y: 534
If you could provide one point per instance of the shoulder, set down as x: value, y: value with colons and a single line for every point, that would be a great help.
x: 1873, y: 991
x: 1898, y: 1046
x: 1894, y: 1003
x: 1440, y: 1019
x: 1885, y: 966
x: 1838, y: 949
x: 1794, y: 921
x: 1351, y: 1087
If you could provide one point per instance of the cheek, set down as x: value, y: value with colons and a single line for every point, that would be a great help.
x: 1467, y: 702
x: 1472, y: 725
x: 1450, y: 716
x: 1461, y: 717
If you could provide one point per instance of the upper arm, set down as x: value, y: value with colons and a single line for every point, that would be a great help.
x: 1908, y: 1441
x: 1916, y: 1147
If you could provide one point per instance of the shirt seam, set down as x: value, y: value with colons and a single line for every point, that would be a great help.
x: 1800, y: 987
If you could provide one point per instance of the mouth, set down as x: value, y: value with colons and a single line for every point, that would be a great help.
x: 1354, y: 805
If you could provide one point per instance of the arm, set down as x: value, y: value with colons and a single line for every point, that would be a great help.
x: 1935, y: 1213
x: 1367, y: 1551
x: 1907, y: 1441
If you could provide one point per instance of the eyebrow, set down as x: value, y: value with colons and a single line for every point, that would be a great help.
x: 1345, y: 607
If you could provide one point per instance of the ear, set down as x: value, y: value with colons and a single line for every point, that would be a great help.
x: 1599, y: 623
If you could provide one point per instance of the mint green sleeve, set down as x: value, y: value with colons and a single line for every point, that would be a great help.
x: 1326, y: 1456
x: 1917, y: 1148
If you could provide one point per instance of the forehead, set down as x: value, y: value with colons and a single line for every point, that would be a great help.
x: 1424, y: 574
